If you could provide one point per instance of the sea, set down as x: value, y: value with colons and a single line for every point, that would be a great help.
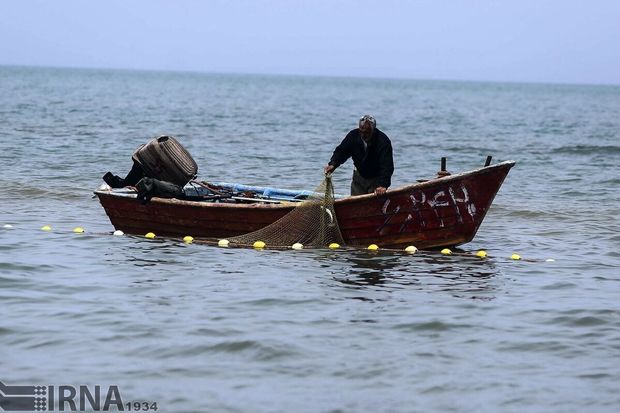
x: 196, y: 328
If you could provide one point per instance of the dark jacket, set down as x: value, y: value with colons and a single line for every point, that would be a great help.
x: 375, y: 162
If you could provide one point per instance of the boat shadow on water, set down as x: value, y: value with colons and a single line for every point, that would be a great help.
x: 462, y: 276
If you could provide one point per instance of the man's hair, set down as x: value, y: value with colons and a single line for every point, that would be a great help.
x: 368, y: 118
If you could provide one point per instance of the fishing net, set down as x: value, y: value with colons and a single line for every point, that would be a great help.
x: 311, y: 223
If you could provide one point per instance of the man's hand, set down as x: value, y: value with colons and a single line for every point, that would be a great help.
x: 329, y: 169
x: 380, y: 190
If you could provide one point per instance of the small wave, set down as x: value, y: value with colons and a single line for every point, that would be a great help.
x: 215, y: 332
x: 25, y: 268
x: 47, y: 343
x: 589, y: 149
x: 248, y: 348
x: 434, y: 325
x: 594, y: 376
x: 26, y: 191
x: 525, y: 213
x: 257, y: 350
x: 538, y: 346
x: 586, y: 321
x: 277, y: 302
x: 577, y: 318
x: 559, y: 286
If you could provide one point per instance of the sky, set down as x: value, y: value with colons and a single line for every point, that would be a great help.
x: 553, y: 41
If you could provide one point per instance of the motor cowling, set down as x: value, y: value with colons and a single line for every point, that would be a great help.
x: 165, y: 159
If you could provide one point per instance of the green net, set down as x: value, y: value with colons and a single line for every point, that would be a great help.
x: 311, y: 223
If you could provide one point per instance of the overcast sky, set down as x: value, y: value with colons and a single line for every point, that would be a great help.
x: 560, y: 41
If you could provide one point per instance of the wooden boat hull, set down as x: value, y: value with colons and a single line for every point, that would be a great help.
x: 440, y: 212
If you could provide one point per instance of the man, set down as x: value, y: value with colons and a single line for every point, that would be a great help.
x: 371, y: 151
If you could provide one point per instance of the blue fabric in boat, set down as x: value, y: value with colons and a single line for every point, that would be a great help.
x: 266, y: 191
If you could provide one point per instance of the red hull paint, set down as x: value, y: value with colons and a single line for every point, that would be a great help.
x: 441, y: 212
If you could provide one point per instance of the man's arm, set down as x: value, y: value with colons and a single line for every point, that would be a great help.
x: 341, y: 153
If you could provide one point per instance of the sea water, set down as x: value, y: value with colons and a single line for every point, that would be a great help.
x: 200, y: 328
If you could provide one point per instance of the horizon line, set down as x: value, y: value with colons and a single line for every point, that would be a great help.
x: 326, y: 76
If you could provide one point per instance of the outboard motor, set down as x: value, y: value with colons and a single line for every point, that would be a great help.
x: 165, y: 159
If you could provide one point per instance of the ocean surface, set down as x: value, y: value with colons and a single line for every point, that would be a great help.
x: 197, y: 328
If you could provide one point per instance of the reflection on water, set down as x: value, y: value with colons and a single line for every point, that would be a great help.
x: 465, y: 277
x: 142, y: 252
x: 462, y: 276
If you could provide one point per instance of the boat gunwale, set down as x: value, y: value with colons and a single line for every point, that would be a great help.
x: 289, y: 205
x: 430, y: 183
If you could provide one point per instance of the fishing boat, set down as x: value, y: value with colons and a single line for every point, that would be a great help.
x: 439, y: 212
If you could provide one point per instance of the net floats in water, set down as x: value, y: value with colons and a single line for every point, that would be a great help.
x: 299, y: 246
x: 259, y: 245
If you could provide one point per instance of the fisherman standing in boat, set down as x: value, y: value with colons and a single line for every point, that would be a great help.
x: 371, y: 151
